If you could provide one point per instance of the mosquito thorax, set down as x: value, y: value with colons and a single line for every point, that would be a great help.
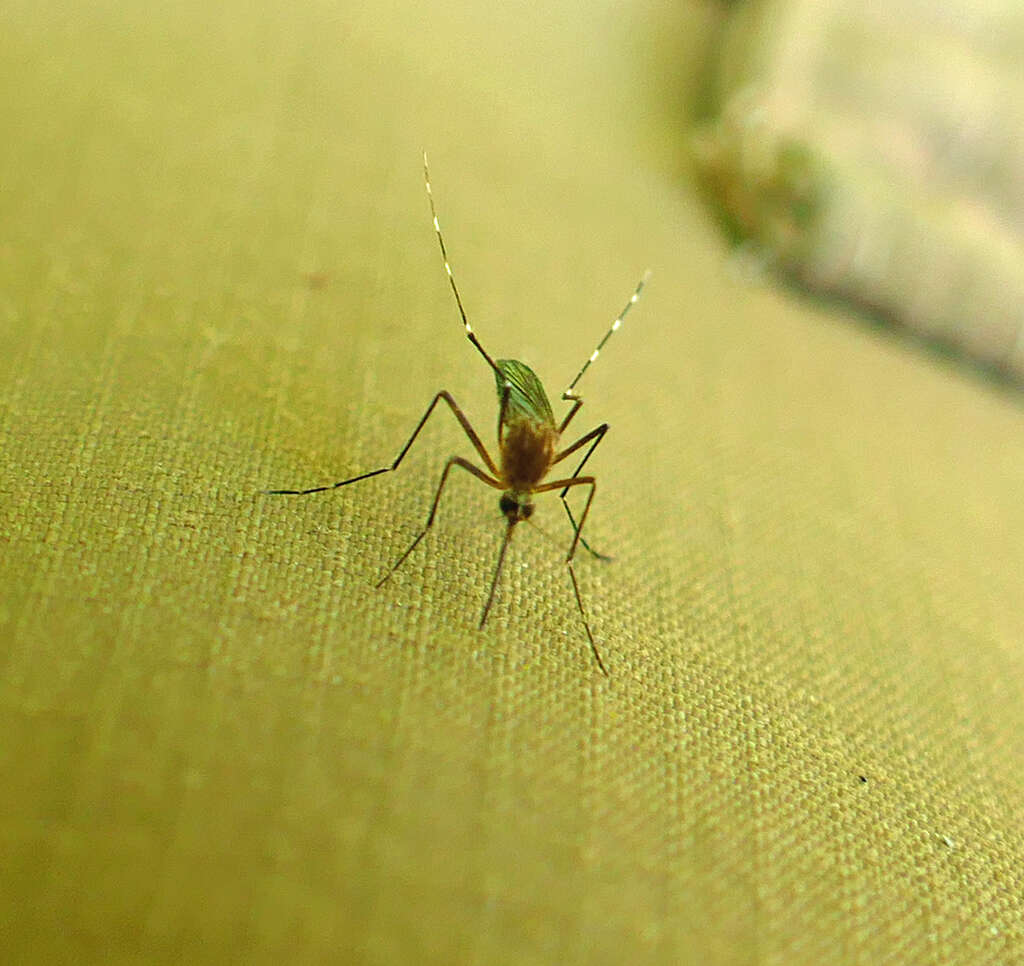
x: 516, y: 506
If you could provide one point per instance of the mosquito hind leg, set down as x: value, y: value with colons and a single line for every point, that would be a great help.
x: 594, y: 437
x: 596, y: 554
x: 576, y: 540
x: 586, y: 624
x: 454, y: 461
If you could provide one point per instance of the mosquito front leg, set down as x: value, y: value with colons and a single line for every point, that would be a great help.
x: 454, y: 461
x: 463, y: 422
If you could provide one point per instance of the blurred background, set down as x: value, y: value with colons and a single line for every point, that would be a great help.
x: 877, y: 154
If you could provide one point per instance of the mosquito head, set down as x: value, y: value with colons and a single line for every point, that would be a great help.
x: 516, y: 506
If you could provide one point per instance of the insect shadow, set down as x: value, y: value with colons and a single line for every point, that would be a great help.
x: 528, y: 446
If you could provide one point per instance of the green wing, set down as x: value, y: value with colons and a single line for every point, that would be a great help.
x: 526, y: 399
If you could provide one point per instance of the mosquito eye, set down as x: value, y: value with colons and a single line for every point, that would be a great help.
x: 507, y: 504
x: 527, y: 511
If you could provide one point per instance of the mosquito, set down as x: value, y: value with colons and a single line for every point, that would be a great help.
x: 529, y: 446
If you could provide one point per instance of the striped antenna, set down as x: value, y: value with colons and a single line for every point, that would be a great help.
x: 470, y: 334
x: 615, y: 326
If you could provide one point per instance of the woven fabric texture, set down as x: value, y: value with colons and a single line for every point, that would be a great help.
x: 219, y: 742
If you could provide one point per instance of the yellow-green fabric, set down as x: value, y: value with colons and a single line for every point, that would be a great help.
x: 220, y: 743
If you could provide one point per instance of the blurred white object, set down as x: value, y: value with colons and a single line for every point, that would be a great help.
x: 876, y: 152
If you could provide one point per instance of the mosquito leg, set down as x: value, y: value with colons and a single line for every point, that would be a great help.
x: 586, y: 625
x: 577, y: 538
x: 463, y: 422
x: 596, y: 554
x: 454, y: 461
x: 593, y: 437
x: 566, y: 484
x: 577, y: 402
